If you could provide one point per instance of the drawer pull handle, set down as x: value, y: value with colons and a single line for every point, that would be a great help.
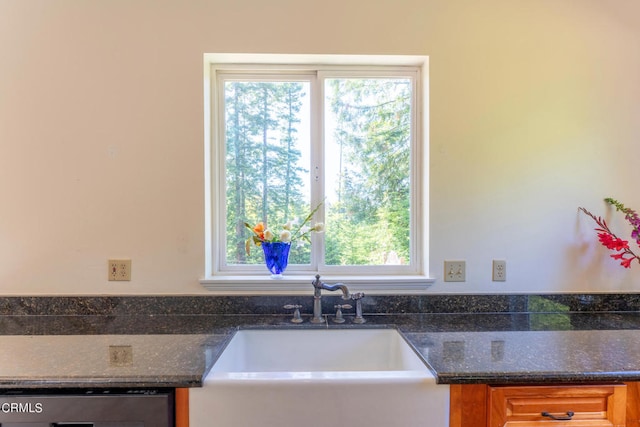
x: 566, y: 417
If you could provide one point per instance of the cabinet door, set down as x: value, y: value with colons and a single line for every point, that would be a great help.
x: 557, y: 406
x: 182, y: 407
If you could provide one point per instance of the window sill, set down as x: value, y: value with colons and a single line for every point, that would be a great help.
x: 301, y: 284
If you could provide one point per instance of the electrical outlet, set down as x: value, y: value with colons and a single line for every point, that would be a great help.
x: 499, y: 270
x: 119, y: 270
x: 454, y: 271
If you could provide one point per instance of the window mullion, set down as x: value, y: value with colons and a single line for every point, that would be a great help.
x: 317, y: 167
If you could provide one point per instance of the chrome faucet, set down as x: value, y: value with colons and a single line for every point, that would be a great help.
x: 318, y: 286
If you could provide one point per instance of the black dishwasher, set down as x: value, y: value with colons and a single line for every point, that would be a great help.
x: 87, y: 408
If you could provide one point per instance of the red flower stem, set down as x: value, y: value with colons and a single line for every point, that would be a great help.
x: 604, y: 228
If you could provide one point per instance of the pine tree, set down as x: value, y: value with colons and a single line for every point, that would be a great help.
x: 373, y: 134
x: 263, y: 172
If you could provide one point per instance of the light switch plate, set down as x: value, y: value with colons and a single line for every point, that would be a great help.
x: 119, y: 270
x: 455, y: 271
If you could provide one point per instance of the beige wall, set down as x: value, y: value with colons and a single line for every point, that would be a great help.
x: 535, y: 110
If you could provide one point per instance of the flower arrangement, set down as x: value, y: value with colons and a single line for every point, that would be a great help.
x: 289, y: 232
x: 608, y: 239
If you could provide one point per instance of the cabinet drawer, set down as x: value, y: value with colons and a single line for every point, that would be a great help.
x: 522, y: 406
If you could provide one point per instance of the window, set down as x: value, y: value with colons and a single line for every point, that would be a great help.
x: 283, y: 138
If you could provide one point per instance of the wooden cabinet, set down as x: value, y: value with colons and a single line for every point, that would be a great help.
x: 597, y: 406
x: 633, y: 404
x: 480, y: 405
x: 182, y: 407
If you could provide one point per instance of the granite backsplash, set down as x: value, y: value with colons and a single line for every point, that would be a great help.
x: 266, y: 305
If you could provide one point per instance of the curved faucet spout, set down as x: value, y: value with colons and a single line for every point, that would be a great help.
x: 342, y: 287
x: 318, y: 286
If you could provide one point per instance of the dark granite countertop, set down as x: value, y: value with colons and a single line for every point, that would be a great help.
x: 94, y: 351
x: 64, y: 351
x: 527, y: 348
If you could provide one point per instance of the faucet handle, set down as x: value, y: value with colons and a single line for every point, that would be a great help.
x: 339, y: 307
x: 296, y: 313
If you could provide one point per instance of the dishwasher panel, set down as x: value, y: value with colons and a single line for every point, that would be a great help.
x: 88, y: 408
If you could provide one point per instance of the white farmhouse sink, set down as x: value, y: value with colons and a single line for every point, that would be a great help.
x: 321, y: 351
x: 312, y: 377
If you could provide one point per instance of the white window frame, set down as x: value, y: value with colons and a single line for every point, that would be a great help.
x: 219, y: 278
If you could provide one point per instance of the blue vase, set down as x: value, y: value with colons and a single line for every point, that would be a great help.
x: 276, y: 257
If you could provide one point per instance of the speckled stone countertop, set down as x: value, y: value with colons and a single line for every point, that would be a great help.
x: 86, y: 343
x: 580, y: 348
x: 111, y: 352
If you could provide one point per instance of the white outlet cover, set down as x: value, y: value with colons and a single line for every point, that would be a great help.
x: 499, y: 273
